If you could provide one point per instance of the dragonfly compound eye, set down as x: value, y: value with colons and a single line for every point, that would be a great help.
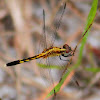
x: 68, y: 49
x: 65, y: 46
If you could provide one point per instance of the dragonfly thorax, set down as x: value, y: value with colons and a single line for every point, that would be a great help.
x: 53, y: 51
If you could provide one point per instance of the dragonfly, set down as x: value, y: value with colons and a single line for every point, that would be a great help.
x: 52, y: 51
x: 65, y: 51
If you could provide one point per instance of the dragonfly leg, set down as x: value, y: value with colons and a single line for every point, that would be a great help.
x: 67, y: 55
x: 62, y: 59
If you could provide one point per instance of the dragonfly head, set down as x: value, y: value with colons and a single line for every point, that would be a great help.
x: 68, y: 49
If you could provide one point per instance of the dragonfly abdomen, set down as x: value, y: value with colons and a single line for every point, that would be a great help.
x: 23, y: 60
x: 55, y: 51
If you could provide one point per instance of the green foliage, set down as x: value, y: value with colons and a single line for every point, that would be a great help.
x: 50, y: 66
x: 90, y: 19
x: 93, y: 69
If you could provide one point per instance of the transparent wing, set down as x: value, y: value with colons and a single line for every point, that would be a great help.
x: 42, y: 44
x: 50, y: 32
x: 44, y: 31
x: 53, y: 29
x: 50, y: 70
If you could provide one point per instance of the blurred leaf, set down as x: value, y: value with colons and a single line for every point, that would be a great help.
x: 93, y: 69
x: 90, y: 19
x: 50, y: 66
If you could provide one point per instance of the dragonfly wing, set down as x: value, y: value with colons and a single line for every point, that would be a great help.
x: 57, y: 23
x: 57, y: 67
x: 50, y: 32
x: 49, y: 69
x: 44, y: 31
x: 42, y: 44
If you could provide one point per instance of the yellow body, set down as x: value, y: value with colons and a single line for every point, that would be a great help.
x: 50, y: 52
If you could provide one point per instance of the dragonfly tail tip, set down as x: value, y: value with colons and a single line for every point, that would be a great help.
x: 5, y: 65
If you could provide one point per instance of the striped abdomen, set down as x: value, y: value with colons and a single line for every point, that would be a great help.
x: 54, y: 51
x: 24, y: 60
